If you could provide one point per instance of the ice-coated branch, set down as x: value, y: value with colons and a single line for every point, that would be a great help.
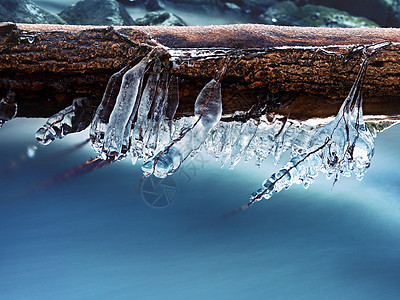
x: 342, y: 147
x: 68, y: 62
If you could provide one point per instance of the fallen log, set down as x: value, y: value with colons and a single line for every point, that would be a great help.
x: 47, y: 66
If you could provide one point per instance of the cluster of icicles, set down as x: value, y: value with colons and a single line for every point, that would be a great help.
x: 136, y: 119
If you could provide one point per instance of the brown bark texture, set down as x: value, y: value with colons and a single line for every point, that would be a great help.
x: 47, y: 66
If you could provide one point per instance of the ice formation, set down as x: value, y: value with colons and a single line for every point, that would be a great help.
x: 73, y: 118
x: 130, y: 121
x: 136, y: 119
x: 118, y: 129
x: 340, y: 148
x: 102, y: 116
x: 208, y: 111
x: 8, y: 108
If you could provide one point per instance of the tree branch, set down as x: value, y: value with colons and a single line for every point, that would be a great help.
x: 47, y: 66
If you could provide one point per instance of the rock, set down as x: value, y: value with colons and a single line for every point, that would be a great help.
x: 322, y: 16
x: 194, y: 6
x: 160, y: 18
x: 233, y: 7
x: 287, y: 13
x: 384, y: 12
x: 282, y: 13
x: 97, y: 12
x: 150, y: 5
x: 244, y: 7
x: 254, y: 7
x: 25, y: 11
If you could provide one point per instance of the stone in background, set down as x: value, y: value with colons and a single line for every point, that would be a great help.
x: 384, y: 12
x: 287, y: 13
x: 25, y: 11
x: 97, y: 12
x: 160, y: 18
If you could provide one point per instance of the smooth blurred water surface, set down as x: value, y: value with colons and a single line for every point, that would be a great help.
x: 94, y: 237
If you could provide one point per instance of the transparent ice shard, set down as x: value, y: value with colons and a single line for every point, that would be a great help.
x: 208, y: 110
x: 171, y: 108
x: 166, y: 127
x: 340, y: 148
x: 73, y: 118
x: 101, y: 117
x: 8, y: 107
x: 230, y: 142
x: 157, y: 115
x: 135, y: 116
x: 244, y: 138
x: 141, y: 126
x: 123, y: 112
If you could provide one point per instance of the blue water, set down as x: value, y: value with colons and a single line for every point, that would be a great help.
x: 94, y: 237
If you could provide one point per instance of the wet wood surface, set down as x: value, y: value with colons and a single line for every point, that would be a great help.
x: 47, y: 66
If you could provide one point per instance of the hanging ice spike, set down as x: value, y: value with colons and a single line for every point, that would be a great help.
x: 208, y: 110
x: 125, y: 107
x: 342, y: 147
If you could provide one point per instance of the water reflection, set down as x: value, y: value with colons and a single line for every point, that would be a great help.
x: 94, y: 236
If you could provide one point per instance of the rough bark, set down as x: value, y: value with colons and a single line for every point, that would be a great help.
x: 47, y: 66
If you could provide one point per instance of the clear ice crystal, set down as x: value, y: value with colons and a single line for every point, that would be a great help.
x: 73, y: 118
x: 157, y: 115
x: 229, y: 142
x: 135, y: 116
x: 122, y: 115
x: 208, y: 111
x: 136, y: 119
x: 102, y: 116
x: 8, y: 108
x: 340, y: 148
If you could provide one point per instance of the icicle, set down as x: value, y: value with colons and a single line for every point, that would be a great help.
x: 101, y: 117
x: 8, y: 108
x: 141, y: 126
x: 208, y: 105
x: 217, y: 139
x: 166, y: 130
x: 266, y: 135
x: 341, y: 147
x: 172, y: 105
x: 157, y: 116
x: 208, y: 110
x: 73, y: 118
x: 120, y: 118
x: 231, y: 138
x: 243, y: 141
